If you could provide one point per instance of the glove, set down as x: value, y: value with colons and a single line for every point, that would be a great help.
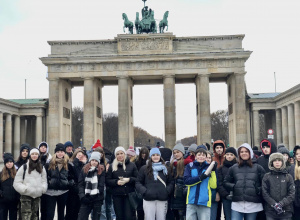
x: 215, y: 166
x: 203, y: 177
x: 278, y: 208
x: 85, y: 199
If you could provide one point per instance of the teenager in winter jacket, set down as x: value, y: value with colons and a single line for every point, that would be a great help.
x: 244, y: 180
x: 229, y: 160
x: 91, y: 188
x: 77, y: 161
x: 69, y: 148
x: 286, y: 155
x: 178, y: 198
x: 199, y: 187
x: 45, y: 156
x: 121, y: 177
x: 267, y: 148
x: 155, y: 184
x: 295, y: 172
x: 9, y: 198
x: 24, y: 155
x: 219, y: 152
x: 60, y: 180
x: 278, y: 189
x: 31, y: 183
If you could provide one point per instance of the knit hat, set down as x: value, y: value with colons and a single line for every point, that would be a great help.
x: 44, y: 143
x: 274, y: 157
x: 154, y: 151
x: 95, y: 156
x: 295, y: 149
x: 231, y: 150
x: 166, y: 153
x: 245, y: 145
x: 25, y: 146
x: 60, y: 147
x: 282, y: 149
x: 192, y: 148
x: 202, y: 146
x: 120, y: 148
x: 180, y: 148
x: 34, y: 150
x: 97, y: 144
x: 8, y: 157
x: 158, y: 144
x: 68, y: 144
x: 131, y: 152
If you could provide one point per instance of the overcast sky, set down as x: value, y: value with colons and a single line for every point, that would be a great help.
x: 271, y: 28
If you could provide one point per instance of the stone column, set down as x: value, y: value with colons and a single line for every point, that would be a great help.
x: 203, y: 110
x: 240, y: 109
x: 297, y: 122
x: 256, y: 129
x: 285, y: 135
x: 291, y: 126
x: 29, y: 131
x: 278, y: 126
x: 53, y: 114
x: 17, y: 137
x: 39, y: 130
x: 88, y: 112
x: 22, y: 131
x: 123, y: 111
x: 8, y: 134
x: 1, y: 135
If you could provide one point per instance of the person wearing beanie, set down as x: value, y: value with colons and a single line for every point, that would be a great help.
x: 24, y: 155
x: 295, y: 172
x: 191, y: 157
x: 267, y: 148
x: 155, y: 184
x: 121, y: 177
x: 286, y: 155
x: 31, y: 182
x: 166, y: 154
x: 199, y: 186
x: 219, y: 152
x: 45, y: 156
x: 69, y: 148
x: 97, y: 144
x: 60, y: 177
x: 202, y: 146
x: 178, y: 198
x: 91, y: 188
x: 246, y: 198
x: 9, y: 198
x: 230, y: 158
x: 278, y: 189
x: 131, y: 154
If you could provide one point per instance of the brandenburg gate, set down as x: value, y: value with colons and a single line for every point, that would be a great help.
x: 140, y: 59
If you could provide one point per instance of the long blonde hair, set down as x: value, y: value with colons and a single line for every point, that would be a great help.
x: 52, y: 164
x: 297, y: 170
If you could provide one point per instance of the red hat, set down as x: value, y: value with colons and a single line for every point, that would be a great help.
x: 97, y: 144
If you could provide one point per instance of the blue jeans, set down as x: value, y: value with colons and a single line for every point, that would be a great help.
x: 240, y: 216
x: 227, y: 208
x: 197, y: 212
x: 107, y: 210
x: 213, y: 210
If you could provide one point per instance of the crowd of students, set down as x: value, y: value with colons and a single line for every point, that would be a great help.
x: 171, y: 184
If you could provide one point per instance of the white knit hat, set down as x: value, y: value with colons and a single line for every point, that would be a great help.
x: 120, y: 148
x: 34, y: 150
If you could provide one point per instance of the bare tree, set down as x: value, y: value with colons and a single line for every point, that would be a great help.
x: 77, y: 126
x: 110, y: 131
x: 219, y: 126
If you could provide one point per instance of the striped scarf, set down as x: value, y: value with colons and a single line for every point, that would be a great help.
x: 91, y: 182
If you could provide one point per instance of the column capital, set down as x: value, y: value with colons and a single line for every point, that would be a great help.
x: 168, y: 76
x: 38, y: 115
x: 87, y: 78
x: 239, y: 73
x: 53, y: 79
x: 203, y: 75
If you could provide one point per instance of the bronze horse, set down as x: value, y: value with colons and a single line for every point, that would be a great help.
x: 164, y: 23
x: 127, y: 24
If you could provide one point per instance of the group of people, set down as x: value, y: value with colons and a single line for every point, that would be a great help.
x: 152, y: 183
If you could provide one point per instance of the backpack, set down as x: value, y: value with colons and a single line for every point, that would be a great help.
x: 25, y: 168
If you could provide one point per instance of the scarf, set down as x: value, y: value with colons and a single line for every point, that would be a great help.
x: 158, y: 167
x: 59, y: 163
x: 91, y: 182
x: 228, y: 164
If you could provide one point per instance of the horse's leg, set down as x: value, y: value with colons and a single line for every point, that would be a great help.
x: 167, y: 27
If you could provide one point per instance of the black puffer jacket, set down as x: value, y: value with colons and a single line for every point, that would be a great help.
x: 76, y: 167
x: 278, y: 186
x: 7, y: 191
x: 245, y: 182
x: 153, y: 189
x: 178, y: 199
x: 263, y: 160
x: 222, y: 172
x: 112, y: 178
x: 60, y: 180
x: 297, y: 186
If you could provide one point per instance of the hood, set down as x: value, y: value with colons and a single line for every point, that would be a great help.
x: 249, y: 148
x: 273, y: 157
x: 271, y: 143
x: 44, y: 143
x: 219, y: 142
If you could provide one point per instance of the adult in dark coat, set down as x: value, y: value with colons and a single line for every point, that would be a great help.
x: 24, y: 155
x: 295, y: 171
x: 278, y: 189
x: 267, y: 148
x: 121, y: 177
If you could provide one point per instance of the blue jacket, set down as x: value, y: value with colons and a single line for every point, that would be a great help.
x: 199, y: 193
